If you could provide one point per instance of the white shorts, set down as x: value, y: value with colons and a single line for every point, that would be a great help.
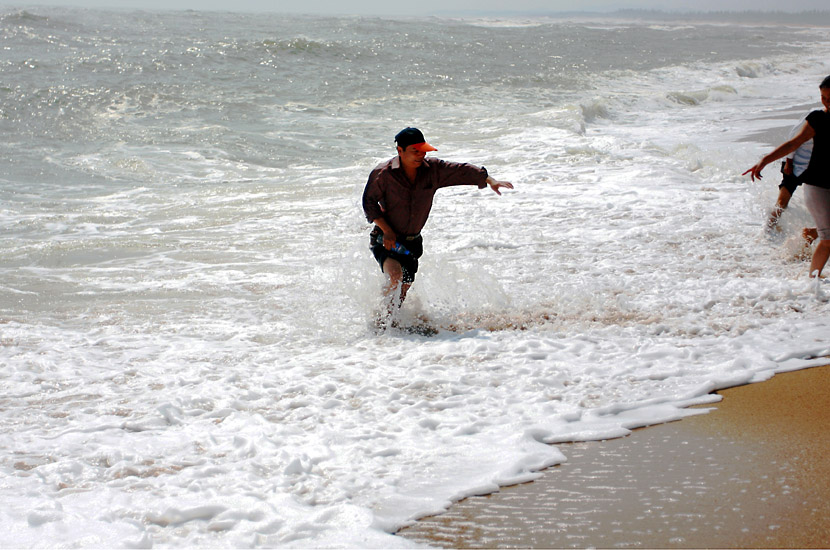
x: 818, y: 203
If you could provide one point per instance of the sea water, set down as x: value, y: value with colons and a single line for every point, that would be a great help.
x: 187, y: 348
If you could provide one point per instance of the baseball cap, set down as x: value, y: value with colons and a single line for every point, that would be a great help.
x: 413, y: 136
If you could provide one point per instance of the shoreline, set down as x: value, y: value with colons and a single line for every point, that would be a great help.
x: 752, y: 472
x: 777, y: 133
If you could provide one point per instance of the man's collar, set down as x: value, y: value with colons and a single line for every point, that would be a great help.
x: 396, y: 163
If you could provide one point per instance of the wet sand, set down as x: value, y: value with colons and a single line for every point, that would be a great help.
x: 754, y: 472
x: 778, y: 132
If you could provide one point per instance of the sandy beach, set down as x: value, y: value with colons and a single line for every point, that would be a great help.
x: 753, y: 472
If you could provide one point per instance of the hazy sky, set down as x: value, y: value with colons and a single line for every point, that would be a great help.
x: 428, y: 7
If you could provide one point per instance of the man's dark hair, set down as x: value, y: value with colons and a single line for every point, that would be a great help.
x: 825, y: 83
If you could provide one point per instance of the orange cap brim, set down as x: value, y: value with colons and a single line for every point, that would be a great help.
x: 424, y: 147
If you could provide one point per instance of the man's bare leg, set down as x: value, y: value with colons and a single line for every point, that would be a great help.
x: 781, y: 204
x: 395, y: 289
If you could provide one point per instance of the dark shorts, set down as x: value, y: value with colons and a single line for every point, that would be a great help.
x: 788, y: 181
x: 409, y: 262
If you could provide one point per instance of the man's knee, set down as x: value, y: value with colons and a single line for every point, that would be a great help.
x: 393, y: 269
x: 400, y: 272
x: 784, y: 197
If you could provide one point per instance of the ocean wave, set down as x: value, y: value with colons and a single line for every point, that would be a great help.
x: 22, y: 17
x: 59, y: 26
x: 292, y: 45
x: 750, y: 69
x: 696, y: 97
x: 575, y: 118
x: 594, y: 109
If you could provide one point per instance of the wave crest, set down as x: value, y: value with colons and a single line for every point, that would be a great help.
x: 696, y: 97
x: 22, y: 17
x: 594, y: 109
x: 293, y: 45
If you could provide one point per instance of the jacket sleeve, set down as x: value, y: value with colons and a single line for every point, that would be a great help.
x: 372, y: 196
x: 461, y: 173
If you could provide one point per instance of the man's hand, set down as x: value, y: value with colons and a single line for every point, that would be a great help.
x: 389, y: 240
x: 389, y: 235
x: 496, y: 185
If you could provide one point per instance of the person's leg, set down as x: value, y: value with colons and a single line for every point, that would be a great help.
x: 400, y: 271
x: 820, y: 256
x: 784, y: 196
x: 395, y: 289
x: 818, y: 203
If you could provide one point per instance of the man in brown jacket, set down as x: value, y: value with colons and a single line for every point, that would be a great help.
x: 398, y: 198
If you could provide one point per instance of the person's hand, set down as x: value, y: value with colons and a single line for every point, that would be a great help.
x: 389, y: 240
x: 496, y: 185
x: 755, y: 171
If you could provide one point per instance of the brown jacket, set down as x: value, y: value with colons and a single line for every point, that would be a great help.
x: 405, y: 205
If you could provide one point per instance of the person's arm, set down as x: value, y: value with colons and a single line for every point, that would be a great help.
x: 807, y: 133
x: 495, y: 185
x: 374, y: 211
x: 462, y: 173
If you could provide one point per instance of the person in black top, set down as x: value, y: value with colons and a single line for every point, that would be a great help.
x: 817, y: 176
